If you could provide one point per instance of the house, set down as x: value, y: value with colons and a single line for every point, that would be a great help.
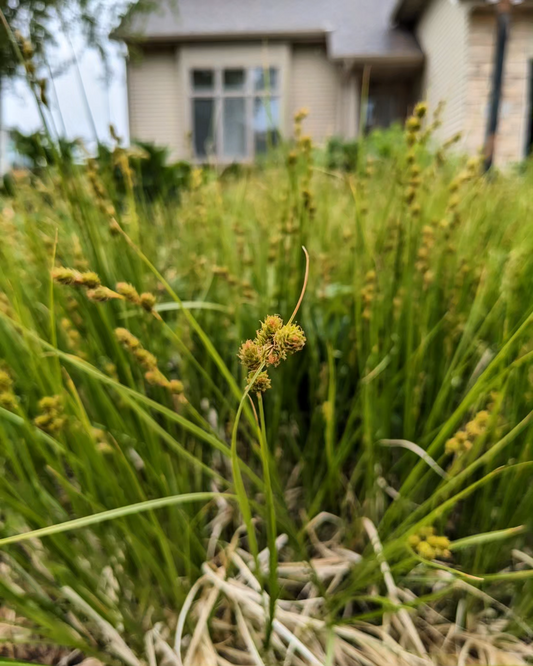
x: 218, y: 79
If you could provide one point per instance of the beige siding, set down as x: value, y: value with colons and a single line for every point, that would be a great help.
x: 316, y: 84
x: 512, y: 131
x: 443, y: 35
x: 153, y: 90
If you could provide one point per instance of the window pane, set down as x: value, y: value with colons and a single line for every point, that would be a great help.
x: 234, y: 79
x: 234, y: 134
x: 266, y: 123
x: 203, y: 79
x: 203, y: 126
x: 265, y: 79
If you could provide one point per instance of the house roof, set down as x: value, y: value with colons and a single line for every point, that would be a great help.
x: 352, y: 28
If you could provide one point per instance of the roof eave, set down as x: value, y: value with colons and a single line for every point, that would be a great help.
x: 291, y: 35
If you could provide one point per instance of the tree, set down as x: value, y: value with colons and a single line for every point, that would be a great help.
x: 40, y: 20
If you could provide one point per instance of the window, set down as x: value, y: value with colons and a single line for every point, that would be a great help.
x: 235, y: 111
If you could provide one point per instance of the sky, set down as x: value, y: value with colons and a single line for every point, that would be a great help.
x: 107, y: 100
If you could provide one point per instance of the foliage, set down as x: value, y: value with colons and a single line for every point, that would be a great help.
x: 341, y: 154
x: 408, y: 409
x: 153, y: 177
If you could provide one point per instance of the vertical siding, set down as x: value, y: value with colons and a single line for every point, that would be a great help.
x: 443, y: 35
x: 153, y: 91
x: 512, y: 131
x: 316, y: 84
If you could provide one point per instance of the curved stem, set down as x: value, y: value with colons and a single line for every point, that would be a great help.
x: 304, y: 286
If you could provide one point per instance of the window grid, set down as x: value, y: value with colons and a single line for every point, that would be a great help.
x: 218, y: 94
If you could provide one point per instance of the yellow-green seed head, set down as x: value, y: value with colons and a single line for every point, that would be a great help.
x: 64, y: 275
x: 269, y: 327
x: 50, y: 404
x: 289, y: 339
x: 426, y: 551
x: 102, y: 294
x: 5, y: 381
x: 175, y: 386
x: 452, y: 445
x: 8, y: 401
x: 128, y: 291
x: 148, y: 301
x: 412, y: 124
x: 250, y: 355
x: 89, y: 280
x: 156, y: 378
x: 261, y: 384
x: 440, y: 542
x: 127, y: 339
x: 421, y: 110
x: 146, y: 359
x: 413, y: 540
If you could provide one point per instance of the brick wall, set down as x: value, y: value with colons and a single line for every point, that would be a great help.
x: 512, y: 131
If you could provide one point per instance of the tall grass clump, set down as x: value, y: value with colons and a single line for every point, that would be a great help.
x: 179, y: 486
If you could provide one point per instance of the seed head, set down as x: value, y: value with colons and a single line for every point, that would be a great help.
x: 50, y: 404
x: 426, y: 551
x: 421, y: 110
x: 175, y: 386
x: 301, y: 114
x: 64, y: 275
x: 289, y: 339
x: 128, y: 291
x: 127, y: 339
x: 156, y: 378
x: 413, y: 124
x: 148, y: 301
x: 261, y: 384
x: 102, y: 294
x: 8, y: 401
x: 250, y: 355
x: 440, y: 542
x: 269, y: 327
x: 146, y: 359
x: 5, y: 381
x: 89, y: 280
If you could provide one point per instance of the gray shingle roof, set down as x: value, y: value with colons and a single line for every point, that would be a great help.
x: 352, y: 28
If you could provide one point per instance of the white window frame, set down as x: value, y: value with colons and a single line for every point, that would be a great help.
x: 218, y: 94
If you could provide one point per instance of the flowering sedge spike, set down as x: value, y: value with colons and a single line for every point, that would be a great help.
x: 51, y: 419
x: 261, y: 383
x: 8, y: 400
x: 288, y: 340
x: 89, y: 280
x: 147, y: 301
x: 103, y: 294
x: 127, y: 339
x: 65, y: 276
x: 129, y: 292
x: 269, y: 327
x: 430, y: 545
x: 148, y: 361
x: 250, y: 355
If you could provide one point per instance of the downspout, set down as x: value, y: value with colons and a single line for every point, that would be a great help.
x: 503, y: 22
